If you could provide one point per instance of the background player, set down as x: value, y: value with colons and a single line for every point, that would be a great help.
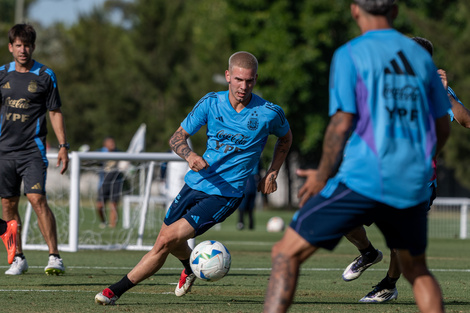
x: 247, y: 206
x: 28, y: 90
x: 110, y: 186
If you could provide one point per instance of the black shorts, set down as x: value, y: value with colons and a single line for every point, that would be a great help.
x: 324, y: 221
x: 111, y: 187
x: 32, y: 172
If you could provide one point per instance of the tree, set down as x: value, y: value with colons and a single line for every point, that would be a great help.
x: 179, y: 59
x: 453, y: 49
x: 154, y: 66
x: 450, y: 53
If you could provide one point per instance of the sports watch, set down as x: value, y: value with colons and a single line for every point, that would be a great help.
x: 64, y: 145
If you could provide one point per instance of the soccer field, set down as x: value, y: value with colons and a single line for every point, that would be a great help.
x: 320, y: 287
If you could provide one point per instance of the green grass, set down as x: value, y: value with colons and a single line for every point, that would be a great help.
x: 320, y: 287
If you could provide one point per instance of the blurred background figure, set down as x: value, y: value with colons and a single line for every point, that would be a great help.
x: 110, y: 186
x: 248, y: 203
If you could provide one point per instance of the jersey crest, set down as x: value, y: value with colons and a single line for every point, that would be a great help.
x: 253, y: 122
x: 33, y: 86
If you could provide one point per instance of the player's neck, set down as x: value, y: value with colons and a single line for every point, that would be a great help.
x: 24, y: 68
x: 237, y: 105
x: 377, y: 24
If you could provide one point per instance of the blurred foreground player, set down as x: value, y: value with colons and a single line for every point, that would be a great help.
x: 386, y: 289
x: 388, y: 120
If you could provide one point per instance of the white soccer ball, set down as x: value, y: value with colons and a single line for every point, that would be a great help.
x: 210, y: 260
x: 275, y: 224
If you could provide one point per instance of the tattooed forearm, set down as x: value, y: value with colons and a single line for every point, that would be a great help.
x: 283, y: 145
x: 281, y: 150
x: 334, y: 142
x: 179, y: 144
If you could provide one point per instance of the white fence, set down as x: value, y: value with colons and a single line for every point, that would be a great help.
x: 448, y: 218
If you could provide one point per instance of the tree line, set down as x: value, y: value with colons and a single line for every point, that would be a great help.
x: 150, y: 61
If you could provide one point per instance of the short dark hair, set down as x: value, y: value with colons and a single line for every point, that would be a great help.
x: 426, y: 44
x: 376, y: 7
x: 24, y: 32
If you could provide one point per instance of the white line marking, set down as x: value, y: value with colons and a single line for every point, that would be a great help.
x: 314, y: 269
x: 178, y: 269
x: 82, y: 291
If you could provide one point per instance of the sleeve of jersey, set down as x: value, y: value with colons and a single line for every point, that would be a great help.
x: 2, y: 74
x: 343, y: 77
x: 53, y: 99
x: 198, y: 116
x: 438, y: 99
x: 280, y: 125
x: 452, y: 93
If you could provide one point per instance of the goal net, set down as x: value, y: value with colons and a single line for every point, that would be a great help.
x: 150, y: 183
x: 448, y: 218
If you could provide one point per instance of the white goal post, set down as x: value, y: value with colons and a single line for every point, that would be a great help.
x: 145, y: 198
x: 76, y: 158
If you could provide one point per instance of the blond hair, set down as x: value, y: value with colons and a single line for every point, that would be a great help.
x: 243, y: 59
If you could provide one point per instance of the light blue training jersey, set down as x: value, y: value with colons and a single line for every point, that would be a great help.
x: 391, y: 85
x: 234, y: 141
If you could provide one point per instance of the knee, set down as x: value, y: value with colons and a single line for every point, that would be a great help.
x: 407, y: 272
x: 38, y: 202
x: 279, y: 249
x: 275, y: 250
x: 413, y: 268
x: 41, y: 208
x: 164, y: 243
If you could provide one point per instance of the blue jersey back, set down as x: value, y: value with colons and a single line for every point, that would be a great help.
x: 234, y: 141
x: 391, y: 85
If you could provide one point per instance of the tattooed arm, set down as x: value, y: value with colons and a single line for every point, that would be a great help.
x: 336, y: 135
x: 268, y: 183
x: 179, y: 144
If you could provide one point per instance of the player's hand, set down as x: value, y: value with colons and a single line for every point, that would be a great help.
x: 196, y: 162
x: 311, y: 187
x: 443, y: 76
x: 268, y: 183
x: 63, y: 157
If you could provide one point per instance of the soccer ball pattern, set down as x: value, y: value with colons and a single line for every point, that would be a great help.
x: 275, y: 224
x: 210, y: 260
